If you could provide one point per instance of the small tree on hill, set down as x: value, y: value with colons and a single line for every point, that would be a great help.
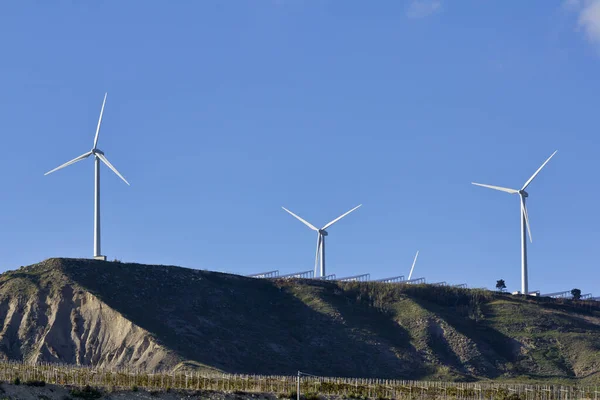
x: 576, y: 293
x: 500, y: 285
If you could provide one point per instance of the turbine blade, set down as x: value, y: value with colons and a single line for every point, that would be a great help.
x: 526, y: 215
x: 99, y: 121
x: 317, y: 255
x: 413, y: 265
x: 73, y: 161
x: 538, y: 171
x: 301, y: 220
x: 109, y: 165
x: 503, y: 189
x: 340, y: 217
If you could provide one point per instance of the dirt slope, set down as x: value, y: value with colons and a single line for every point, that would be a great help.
x: 114, y: 314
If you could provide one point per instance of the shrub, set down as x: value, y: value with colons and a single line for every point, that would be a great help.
x: 87, y: 393
x: 35, y: 383
x: 311, y: 396
x: 134, y: 388
x: 17, y: 381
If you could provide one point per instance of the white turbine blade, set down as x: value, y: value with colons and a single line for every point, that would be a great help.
x: 538, y: 171
x: 301, y: 220
x: 99, y: 122
x: 319, y: 238
x: 413, y: 266
x: 503, y: 189
x: 109, y: 165
x: 73, y: 161
x: 340, y: 217
x: 526, y: 215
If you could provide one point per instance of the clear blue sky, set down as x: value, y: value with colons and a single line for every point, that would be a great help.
x: 221, y: 112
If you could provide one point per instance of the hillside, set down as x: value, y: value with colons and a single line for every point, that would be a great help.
x: 150, y: 317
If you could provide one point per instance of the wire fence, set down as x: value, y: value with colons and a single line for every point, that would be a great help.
x: 286, y: 386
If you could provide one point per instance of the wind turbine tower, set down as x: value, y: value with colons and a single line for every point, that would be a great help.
x: 98, y: 157
x: 524, y: 221
x: 321, y: 234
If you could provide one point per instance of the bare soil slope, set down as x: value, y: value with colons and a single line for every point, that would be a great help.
x: 151, y: 317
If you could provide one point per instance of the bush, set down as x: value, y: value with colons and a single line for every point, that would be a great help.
x: 290, y: 395
x: 17, y: 381
x: 134, y: 388
x: 35, y: 383
x: 311, y: 396
x: 87, y: 393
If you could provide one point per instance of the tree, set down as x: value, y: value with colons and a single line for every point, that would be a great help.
x: 576, y: 293
x: 500, y: 285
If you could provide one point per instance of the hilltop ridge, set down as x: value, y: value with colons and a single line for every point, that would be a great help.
x: 112, y: 314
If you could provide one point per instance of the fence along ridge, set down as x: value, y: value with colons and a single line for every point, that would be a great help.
x: 124, y: 378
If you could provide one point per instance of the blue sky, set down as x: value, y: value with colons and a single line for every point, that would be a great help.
x: 221, y: 112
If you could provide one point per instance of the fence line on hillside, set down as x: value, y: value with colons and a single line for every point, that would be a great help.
x: 286, y: 385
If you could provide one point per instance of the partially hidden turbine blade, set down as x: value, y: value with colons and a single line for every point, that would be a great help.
x: 99, y: 122
x: 526, y: 215
x: 73, y: 161
x: 109, y: 165
x: 503, y: 189
x: 538, y: 171
x: 413, y: 265
x: 340, y: 217
x: 301, y: 220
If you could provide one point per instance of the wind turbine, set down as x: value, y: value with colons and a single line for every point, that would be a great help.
x: 321, y: 233
x: 524, y: 221
x: 98, y: 156
x: 413, y: 265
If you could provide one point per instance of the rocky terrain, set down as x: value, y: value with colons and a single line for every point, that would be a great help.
x: 148, y: 317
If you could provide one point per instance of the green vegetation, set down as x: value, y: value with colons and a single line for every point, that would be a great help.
x: 35, y: 383
x: 87, y: 393
x: 500, y: 285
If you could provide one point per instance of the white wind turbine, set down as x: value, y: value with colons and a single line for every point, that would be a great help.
x: 98, y: 156
x: 524, y: 221
x: 321, y: 233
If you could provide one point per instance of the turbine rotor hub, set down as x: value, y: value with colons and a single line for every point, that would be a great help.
x: 524, y: 193
x: 97, y: 151
x: 323, y: 232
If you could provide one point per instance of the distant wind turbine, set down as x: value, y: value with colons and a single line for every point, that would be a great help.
x: 98, y: 156
x: 321, y: 233
x: 524, y: 221
x: 413, y: 265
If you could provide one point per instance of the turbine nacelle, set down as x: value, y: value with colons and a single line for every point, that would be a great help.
x: 523, y: 193
x: 323, y: 232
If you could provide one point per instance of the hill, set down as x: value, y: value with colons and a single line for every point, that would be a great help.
x: 112, y: 314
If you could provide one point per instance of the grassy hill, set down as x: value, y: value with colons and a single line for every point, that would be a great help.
x: 151, y: 317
